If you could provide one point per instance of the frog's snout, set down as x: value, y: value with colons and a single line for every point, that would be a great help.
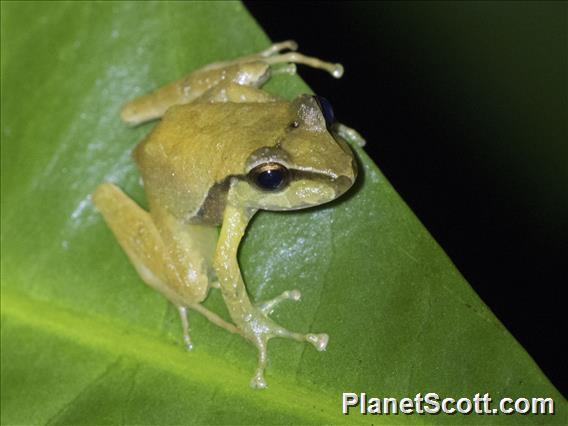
x: 342, y: 184
x: 345, y: 181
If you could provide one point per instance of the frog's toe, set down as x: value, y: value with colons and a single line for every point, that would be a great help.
x: 268, y: 306
x: 188, y: 344
x: 258, y: 382
x: 318, y: 340
x: 185, y: 326
x: 295, y: 295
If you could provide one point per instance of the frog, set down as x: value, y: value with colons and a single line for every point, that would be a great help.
x: 223, y: 150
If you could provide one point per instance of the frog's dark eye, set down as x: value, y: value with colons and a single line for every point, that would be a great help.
x: 326, y: 110
x: 269, y: 176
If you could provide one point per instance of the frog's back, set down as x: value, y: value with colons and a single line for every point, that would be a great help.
x: 188, y: 159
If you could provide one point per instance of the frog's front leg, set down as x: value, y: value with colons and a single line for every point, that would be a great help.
x: 253, y: 321
x: 349, y: 134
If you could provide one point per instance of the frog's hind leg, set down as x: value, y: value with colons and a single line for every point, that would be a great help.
x: 273, y: 55
x: 228, y: 91
x: 215, y: 319
x: 211, y: 316
x: 279, y: 47
x: 139, y: 238
x: 136, y: 234
x: 259, y: 56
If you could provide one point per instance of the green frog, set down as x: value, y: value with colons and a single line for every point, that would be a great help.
x: 223, y: 150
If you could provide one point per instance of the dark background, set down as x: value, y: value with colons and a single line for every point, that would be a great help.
x: 464, y: 108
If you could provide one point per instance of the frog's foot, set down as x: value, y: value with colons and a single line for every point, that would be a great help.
x: 273, y: 55
x: 336, y: 70
x: 185, y: 326
x: 259, y: 329
x: 268, y: 307
x: 318, y: 340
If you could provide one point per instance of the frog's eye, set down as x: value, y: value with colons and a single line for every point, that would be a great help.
x: 269, y: 176
x: 326, y: 110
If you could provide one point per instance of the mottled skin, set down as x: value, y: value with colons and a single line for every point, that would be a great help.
x: 217, y: 128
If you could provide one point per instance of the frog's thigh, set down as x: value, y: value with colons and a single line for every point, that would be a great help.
x: 136, y: 234
x: 228, y: 91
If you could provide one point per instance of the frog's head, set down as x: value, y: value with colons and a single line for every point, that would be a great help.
x: 306, y: 166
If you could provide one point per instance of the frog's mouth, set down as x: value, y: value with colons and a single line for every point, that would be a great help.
x: 342, y: 184
x: 339, y: 183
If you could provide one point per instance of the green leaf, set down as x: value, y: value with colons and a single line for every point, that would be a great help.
x: 84, y: 341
